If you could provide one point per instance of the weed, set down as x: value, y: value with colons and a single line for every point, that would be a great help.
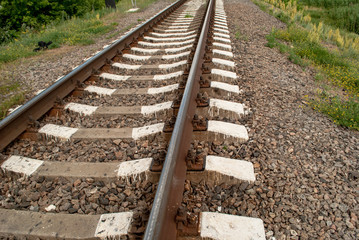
x: 188, y: 16
x: 271, y: 40
x: 240, y: 36
x: 319, y: 77
x: 112, y: 35
x: 128, y: 27
x: 5, y: 89
x: 294, y: 58
x: 262, y: 6
x: 8, y: 103
x: 284, y: 48
x: 342, y: 112
x: 283, y: 17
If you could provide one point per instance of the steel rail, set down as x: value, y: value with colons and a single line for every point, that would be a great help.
x: 161, y: 224
x: 18, y: 121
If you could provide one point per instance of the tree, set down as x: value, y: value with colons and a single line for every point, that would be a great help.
x: 15, y: 14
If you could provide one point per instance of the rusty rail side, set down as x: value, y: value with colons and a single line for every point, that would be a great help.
x: 161, y: 224
x: 17, y: 122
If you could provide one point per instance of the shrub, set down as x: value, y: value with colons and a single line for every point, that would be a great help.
x: 19, y: 14
x: 329, y: 3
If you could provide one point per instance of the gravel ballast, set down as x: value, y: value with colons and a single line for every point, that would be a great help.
x: 116, y: 150
x: 306, y: 166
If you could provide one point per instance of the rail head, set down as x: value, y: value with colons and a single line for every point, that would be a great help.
x: 161, y: 224
x: 17, y: 122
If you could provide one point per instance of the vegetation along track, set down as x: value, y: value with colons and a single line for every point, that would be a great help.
x: 113, y: 149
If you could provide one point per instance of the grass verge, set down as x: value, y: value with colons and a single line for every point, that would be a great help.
x: 336, y: 63
x: 343, y: 14
x: 75, y: 31
x: 342, y: 112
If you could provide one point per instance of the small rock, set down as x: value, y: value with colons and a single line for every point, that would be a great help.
x: 269, y: 234
x: 77, y: 182
x: 256, y: 165
x: 34, y: 209
x: 293, y: 233
x: 103, y: 201
x: 34, y: 196
x: 344, y: 208
x: 50, y: 208
x: 270, y: 194
x: 119, y: 154
x: 40, y: 179
x: 25, y: 204
x: 72, y: 210
x: 145, y: 144
x: 66, y: 206
x: 187, y: 186
x: 349, y: 224
x: 127, y: 192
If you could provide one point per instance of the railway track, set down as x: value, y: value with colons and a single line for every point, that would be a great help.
x: 117, y: 148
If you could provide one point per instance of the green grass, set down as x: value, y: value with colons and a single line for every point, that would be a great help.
x: 8, y: 83
x: 72, y: 32
x: 128, y: 27
x: 319, y: 77
x: 340, y: 69
x: 305, y: 48
x: 109, y: 36
x: 9, y: 87
x: 343, y: 73
x: 272, y: 39
x: 188, y: 16
x: 337, y: 67
x: 342, y: 112
x: 8, y: 103
x: 75, y: 31
x: 261, y: 5
x: 343, y: 14
x: 329, y: 3
x: 10, y: 93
